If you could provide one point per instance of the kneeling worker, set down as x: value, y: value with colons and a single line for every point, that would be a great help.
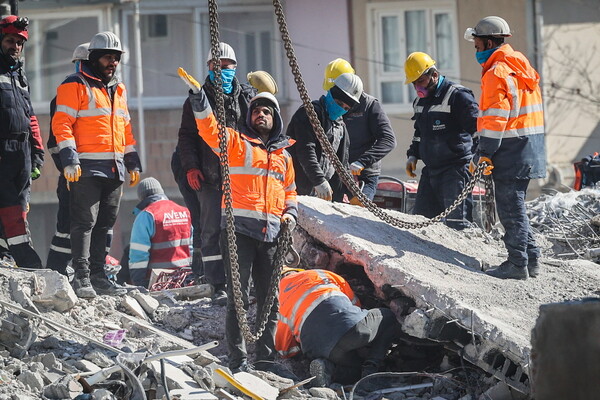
x: 161, y: 235
x: 320, y: 316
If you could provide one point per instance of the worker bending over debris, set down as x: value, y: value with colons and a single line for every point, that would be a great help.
x: 161, y: 236
x: 263, y: 200
x: 511, y: 129
x: 320, y: 316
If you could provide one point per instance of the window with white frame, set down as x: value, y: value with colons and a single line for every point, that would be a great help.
x: 49, y: 51
x: 400, y: 28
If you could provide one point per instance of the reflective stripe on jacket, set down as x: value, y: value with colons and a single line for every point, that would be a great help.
x: 511, y: 121
x: 300, y: 294
x: 262, y: 175
x: 92, y: 126
x: 160, y: 237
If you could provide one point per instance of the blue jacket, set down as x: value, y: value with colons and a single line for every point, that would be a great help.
x: 444, y: 126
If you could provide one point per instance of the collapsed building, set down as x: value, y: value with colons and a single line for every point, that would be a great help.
x: 471, y: 330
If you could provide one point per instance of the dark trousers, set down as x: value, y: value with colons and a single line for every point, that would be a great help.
x: 15, y: 185
x: 439, y: 189
x: 510, y: 204
x: 255, y: 260
x: 368, y: 341
x: 190, y: 198
x: 210, y: 219
x: 94, y: 208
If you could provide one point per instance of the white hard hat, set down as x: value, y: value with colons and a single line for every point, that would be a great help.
x: 226, y: 52
x: 267, y: 96
x: 489, y: 26
x: 81, y: 52
x: 351, y: 84
x: 105, y: 41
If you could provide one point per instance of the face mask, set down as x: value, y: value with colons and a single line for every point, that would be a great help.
x: 227, y: 76
x: 334, y: 110
x: 482, y: 56
x: 423, y: 91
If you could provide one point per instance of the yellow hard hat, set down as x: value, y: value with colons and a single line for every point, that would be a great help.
x: 416, y: 64
x: 334, y: 69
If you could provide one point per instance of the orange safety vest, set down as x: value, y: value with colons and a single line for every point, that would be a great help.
x: 299, y: 294
x: 91, y: 128
x: 262, y: 178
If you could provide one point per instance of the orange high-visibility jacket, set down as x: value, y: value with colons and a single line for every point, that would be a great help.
x: 262, y: 176
x: 92, y: 126
x: 299, y: 294
x: 511, y: 121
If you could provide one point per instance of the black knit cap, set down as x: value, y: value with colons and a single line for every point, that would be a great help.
x: 339, y: 94
x: 264, y: 103
x: 95, y: 55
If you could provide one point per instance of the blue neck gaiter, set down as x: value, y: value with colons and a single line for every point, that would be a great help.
x: 334, y: 110
x: 482, y: 56
x: 227, y: 76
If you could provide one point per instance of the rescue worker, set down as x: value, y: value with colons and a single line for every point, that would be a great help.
x: 263, y: 198
x: 161, y: 235
x: 59, y: 254
x: 445, y: 115
x: 21, y: 149
x: 511, y: 130
x: 198, y: 173
x: 370, y: 132
x: 96, y: 146
x: 315, y: 173
x: 356, y: 340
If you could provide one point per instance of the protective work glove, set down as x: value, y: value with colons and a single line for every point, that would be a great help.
x: 290, y: 220
x: 411, y: 166
x: 189, y: 80
x: 262, y: 81
x: 36, y: 172
x: 488, y: 168
x: 195, y: 178
x: 324, y: 191
x: 356, y: 168
x: 72, y: 172
x: 134, y: 177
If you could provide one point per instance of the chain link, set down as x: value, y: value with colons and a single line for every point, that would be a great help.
x: 329, y: 152
x: 285, y: 238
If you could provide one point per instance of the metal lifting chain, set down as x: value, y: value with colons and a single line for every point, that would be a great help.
x: 285, y: 237
x: 332, y: 156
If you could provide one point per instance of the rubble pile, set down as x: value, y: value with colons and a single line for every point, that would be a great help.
x: 569, y: 221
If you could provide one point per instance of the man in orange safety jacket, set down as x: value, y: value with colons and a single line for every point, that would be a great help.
x: 263, y: 198
x: 320, y: 316
x: 96, y: 146
x: 511, y: 130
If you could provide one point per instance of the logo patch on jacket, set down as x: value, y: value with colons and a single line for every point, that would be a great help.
x: 438, y: 126
x: 175, y: 218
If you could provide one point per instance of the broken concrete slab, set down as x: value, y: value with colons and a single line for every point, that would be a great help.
x: 148, y: 303
x: 194, y: 394
x: 33, y: 380
x: 65, y: 388
x: 186, y: 293
x: 57, y: 292
x: 86, y: 366
x: 133, y: 307
x: 176, y: 378
x: 440, y: 269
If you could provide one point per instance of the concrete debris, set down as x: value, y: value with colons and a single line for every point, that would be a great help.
x: 134, y: 308
x: 569, y: 221
x: 57, y: 292
x: 65, y: 388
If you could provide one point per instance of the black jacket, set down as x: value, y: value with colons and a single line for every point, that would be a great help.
x: 444, y: 127
x: 371, y: 134
x: 312, y: 168
x: 193, y: 152
x: 17, y: 119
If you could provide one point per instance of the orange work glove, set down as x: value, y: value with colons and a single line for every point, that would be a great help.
x: 134, y: 177
x: 411, y: 166
x: 488, y: 168
x: 195, y: 178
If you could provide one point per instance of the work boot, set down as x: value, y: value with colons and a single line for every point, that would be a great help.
x: 82, y: 285
x: 533, y: 266
x: 321, y: 369
x: 243, y: 367
x: 219, y: 297
x: 508, y: 270
x: 275, y: 368
x: 105, y: 286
